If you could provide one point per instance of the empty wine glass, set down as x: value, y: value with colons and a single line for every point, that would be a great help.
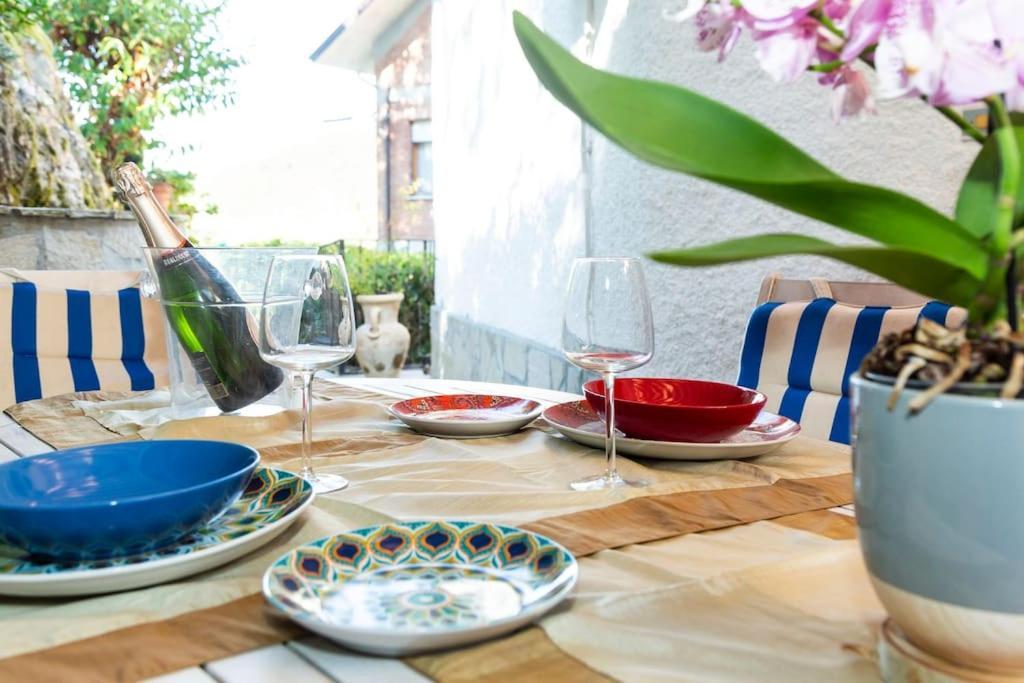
x: 307, y: 324
x: 607, y: 328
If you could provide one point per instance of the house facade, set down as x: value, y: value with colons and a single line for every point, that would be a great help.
x: 521, y: 187
x: 392, y: 41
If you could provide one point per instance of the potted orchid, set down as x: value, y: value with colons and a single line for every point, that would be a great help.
x: 938, y: 418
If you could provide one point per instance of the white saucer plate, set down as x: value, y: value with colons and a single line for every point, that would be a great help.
x: 577, y: 421
x: 273, y: 501
x: 407, y: 587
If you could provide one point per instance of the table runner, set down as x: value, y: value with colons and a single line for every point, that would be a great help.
x: 676, y: 572
x: 698, y: 496
x: 706, y: 606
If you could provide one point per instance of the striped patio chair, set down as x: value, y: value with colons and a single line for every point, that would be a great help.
x: 65, y: 331
x: 806, y: 337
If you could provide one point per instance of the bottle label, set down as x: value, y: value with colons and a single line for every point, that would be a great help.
x: 173, y: 258
x: 208, y: 375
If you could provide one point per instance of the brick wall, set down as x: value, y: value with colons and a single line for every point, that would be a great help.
x: 403, y: 85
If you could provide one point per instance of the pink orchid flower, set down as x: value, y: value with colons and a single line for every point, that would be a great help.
x: 785, y: 54
x: 1008, y: 20
x: 866, y: 26
x: 718, y: 27
x: 851, y: 94
x: 825, y: 55
x: 942, y: 49
x: 772, y: 15
x: 836, y: 10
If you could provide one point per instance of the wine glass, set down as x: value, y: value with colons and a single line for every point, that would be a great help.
x: 307, y: 324
x: 607, y: 328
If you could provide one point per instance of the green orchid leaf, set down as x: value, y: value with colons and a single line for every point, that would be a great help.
x: 680, y: 130
x: 976, y: 205
x: 916, y: 271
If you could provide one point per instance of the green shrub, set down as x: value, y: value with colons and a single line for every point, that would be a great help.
x: 130, y: 63
x: 381, y: 272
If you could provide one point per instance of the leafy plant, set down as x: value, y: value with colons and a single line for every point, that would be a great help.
x: 281, y: 242
x: 968, y: 260
x: 381, y: 272
x: 15, y: 15
x: 130, y: 63
x: 183, y: 184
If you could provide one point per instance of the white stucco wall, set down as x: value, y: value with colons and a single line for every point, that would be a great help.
x: 508, y: 188
x: 510, y: 203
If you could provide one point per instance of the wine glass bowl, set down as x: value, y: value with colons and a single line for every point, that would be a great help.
x: 307, y: 324
x: 607, y: 328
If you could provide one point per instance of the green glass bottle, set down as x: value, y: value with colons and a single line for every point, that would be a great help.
x: 201, y: 305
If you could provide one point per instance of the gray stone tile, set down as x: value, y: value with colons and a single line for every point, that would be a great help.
x: 513, y: 356
x: 538, y: 369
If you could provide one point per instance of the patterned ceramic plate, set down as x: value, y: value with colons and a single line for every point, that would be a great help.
x: 271, y: 502
x: 466, y: 415
x: 414, y: 586
x: 578, y: 421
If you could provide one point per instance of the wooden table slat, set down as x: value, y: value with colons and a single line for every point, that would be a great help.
x: 7, y: 454
x: 350, y: 667
x: 15, y: 438
x: 274, y: 664
x: 193, y: 675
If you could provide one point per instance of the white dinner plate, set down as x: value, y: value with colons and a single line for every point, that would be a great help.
x: 273, y: 501
x: 466, y: 416
x: 578, y: 421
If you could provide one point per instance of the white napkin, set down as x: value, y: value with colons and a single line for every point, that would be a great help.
x: 130, y: 415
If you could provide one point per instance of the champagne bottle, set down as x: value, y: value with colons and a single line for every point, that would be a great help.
x: 197, y: 300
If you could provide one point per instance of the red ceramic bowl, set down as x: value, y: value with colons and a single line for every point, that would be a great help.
x: 677, y: 409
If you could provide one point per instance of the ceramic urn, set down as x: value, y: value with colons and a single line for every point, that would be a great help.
x: 382, y: 342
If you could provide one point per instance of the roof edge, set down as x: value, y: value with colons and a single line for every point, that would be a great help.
x: 327, y: 43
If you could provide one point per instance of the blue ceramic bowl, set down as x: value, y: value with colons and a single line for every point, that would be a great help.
x: 118, y: 499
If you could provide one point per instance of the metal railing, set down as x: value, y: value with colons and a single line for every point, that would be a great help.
x: 398, y: 246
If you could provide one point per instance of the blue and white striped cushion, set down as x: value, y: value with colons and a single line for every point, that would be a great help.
x: 801, y: 355
x: 55, y: 341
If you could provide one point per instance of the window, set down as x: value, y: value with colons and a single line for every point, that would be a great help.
x: 422, y: 160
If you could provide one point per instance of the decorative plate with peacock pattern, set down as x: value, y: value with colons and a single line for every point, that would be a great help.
x: 271, y: 502
x: 413, y: 586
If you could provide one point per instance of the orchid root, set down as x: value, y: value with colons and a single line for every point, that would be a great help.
x: 911, y: 366
x: 963, y: 362
x: 1014, y: 382
x: 922, y: 351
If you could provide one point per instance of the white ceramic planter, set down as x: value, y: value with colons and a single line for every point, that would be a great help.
x: 940, y: 509
x: 382, y: 342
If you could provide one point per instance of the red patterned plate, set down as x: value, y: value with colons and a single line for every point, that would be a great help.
x: 578, y: 421
x: 466, y: 415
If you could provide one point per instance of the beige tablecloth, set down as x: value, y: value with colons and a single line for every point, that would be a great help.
x: 784, y: 603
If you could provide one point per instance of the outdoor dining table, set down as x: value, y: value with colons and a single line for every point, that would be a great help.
x: 718, y: 570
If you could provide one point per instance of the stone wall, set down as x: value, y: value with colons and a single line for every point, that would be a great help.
x: 44, y: 160
x: 69, y: 239
x: 462, y: 349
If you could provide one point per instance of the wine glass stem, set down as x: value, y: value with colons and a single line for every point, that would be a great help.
x: 609, y: 426
x: 307, y: 427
